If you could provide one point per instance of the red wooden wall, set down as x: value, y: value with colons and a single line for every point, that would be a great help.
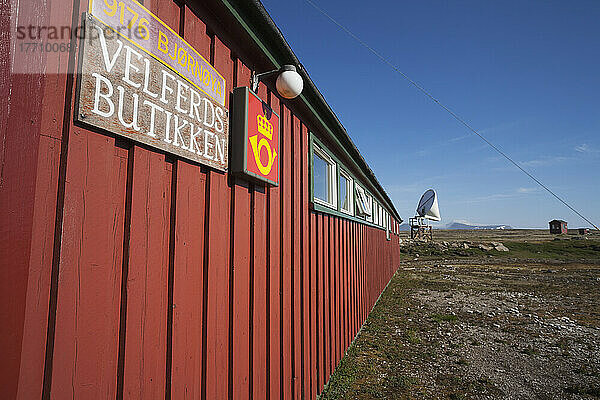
x: 133, y: 274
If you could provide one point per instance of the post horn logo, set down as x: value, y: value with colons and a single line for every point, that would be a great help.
x: 265, y: 128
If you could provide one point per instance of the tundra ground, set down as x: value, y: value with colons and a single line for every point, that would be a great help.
x: 469, y: 323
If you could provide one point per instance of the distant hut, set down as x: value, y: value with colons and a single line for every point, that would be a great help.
x: 583, y: 231
x: 558, y: 226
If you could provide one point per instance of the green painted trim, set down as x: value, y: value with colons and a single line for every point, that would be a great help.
x: 310, y: 166
x: 317, y: 115
x: 323, y: 208
x: 327, y: 210
x: 258, y: 42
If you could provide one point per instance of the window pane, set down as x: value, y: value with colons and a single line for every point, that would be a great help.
x: 344, y: 198
x: 321, y: 178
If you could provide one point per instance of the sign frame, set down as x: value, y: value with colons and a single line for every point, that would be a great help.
x: 238, y: 162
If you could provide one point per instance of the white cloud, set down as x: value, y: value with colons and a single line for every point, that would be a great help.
x: 527, y: 190
x: 584, y: 148
x: 519, y: 192
x: 544, y: 161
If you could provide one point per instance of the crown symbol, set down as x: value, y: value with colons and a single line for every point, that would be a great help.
x: 264, y: 126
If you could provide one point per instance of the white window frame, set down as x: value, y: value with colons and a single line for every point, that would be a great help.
x: 349, y: 192
x: 332, y: 184
x: 368, y: 210
x: 371, y: 201
x: 388, y: 226
x: 375, y: 212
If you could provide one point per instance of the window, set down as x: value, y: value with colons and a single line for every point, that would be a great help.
x: 388, y: 225
x: 375, y: 213
x: 324, y: 187
x: 363, y: 203
x: 336, y: 191
x: 345, y: 191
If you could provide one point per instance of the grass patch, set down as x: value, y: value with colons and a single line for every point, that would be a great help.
x: 590, y: 391
x: 530, y: 351
x: 439, y: 318
x: 413, y: 336
x: 373, y: 365
x: 563, y: 250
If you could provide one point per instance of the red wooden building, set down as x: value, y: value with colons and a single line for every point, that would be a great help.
x: 558, y: 226
x: 131, y: 272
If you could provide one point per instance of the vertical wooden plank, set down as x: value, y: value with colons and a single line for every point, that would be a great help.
x: 188, y: 283
x: 355, y: 254
x: 340, y: 280
x: 195, y: 34
x: 314, y: 307
x: 353, y: 246
x: 353, y: 264
x: 35, y: 324
x: 345, y: 288
x: 241, y: 269
x: 320, y: 243
x: 356, y: 245
x: 326, y: 299
x: 147, y: 279
x: 340, y: 290
x: 89, y: 286
x: 189, y: 274
x: 275, y: 276
x: 363, y: 275
x: 335, y: 318
x: 305, y: 335
x: 360, y: 277
x: 37, y: 95
x: 332, y: 289
x: 297, y: 243
x: 31, y: 118
x: 286, y: 253
x: 20, y: 129
x: 259, y: 314
x: 241, y: 289
x: 259, y: 332
x: 217, y: 262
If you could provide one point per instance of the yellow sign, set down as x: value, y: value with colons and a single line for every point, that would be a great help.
x: 137, y: 24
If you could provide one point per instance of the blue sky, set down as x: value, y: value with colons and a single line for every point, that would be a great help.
x: 524, y: 73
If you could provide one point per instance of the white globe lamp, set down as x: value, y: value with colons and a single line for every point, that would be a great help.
x: 289, y: 83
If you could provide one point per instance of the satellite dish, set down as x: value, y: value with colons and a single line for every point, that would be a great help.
x: 428, y: 206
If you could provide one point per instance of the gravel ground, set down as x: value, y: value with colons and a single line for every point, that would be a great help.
x: 480, y: 327
x: 537, y: 340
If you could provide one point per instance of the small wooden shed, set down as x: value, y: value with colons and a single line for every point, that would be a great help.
x: 558, y: 226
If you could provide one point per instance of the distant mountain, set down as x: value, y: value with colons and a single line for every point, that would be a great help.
x: 460, y: 225
x: 404, y: 227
